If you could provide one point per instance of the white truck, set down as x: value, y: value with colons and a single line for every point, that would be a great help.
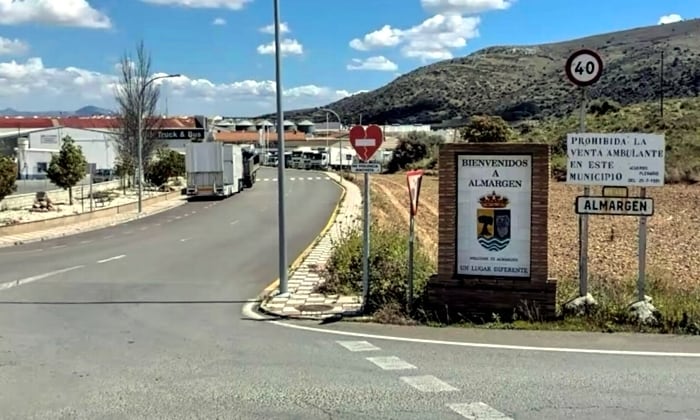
x: 214, y: 169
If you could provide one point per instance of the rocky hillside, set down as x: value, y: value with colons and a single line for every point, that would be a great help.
x: 522, y: 82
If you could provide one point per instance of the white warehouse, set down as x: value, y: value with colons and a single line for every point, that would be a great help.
x: 35, y: 149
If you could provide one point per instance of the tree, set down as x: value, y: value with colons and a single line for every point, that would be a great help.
x: 486, y: 129
x: 133, y: 88
x: 67, y: 167
x: 8, y: 176
x: 167, y: 164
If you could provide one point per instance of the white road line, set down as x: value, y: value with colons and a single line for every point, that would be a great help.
x: 355, y: 346
x: 249, y: 310
x: 108, y: 237
x: 428, y: 383
x: 118, y: 257
x: 478, y: 411
x: 327, y: 177
x: 266, y: 179
x: 128, y: 232
x: 156, y: 224
x: 310, y: 178
x: 144, y: 228
x: 26, y: 280
x: 58, y: 246
x: 234, y: 222
x: 274, y: 179
x: 291, y: 179
x: 391, y: 363
x: 87, y: 241
x: 185, y: 239
x: 194, y: 212
x: 318, y: 177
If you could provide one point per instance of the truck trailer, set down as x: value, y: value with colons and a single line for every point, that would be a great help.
x: 215, y: 169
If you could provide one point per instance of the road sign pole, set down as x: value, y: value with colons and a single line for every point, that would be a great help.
x: 642, y: 251
x: 411, y: 240
x: 365, y: 242
x: 583, y: 218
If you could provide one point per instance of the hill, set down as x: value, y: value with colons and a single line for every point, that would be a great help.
x: 522, y: 82
x: 85, y: 111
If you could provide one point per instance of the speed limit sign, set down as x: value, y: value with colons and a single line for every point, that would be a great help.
x: 584, y: 67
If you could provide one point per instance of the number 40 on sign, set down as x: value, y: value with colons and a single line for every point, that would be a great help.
x: 584, y: 67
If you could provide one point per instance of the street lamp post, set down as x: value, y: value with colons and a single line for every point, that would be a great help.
x: 340, y: 123
x: 281, y: 161
x: 139, y: 109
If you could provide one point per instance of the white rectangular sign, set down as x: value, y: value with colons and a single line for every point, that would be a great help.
x: 365, y: 142
x: 616, y: 159
x: 615, y: 206
x: 366, y: 168
x: 494, y: 199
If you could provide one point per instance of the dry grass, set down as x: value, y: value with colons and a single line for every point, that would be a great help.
x: 673, y: 250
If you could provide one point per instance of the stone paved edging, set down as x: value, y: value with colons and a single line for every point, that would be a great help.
x: 89, y: 225
x: 304, y: 279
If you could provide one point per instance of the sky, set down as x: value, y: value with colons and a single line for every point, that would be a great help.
x: 63, y: 54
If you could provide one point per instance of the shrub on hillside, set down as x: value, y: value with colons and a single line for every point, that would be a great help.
x: 486, y: 129
x: 415, y: 150
x: 388, y: 267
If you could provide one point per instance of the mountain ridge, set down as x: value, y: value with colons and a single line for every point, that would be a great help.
x: 86, y: 111
x: 521, y: 82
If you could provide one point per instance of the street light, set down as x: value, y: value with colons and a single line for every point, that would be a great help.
x: 139, y: 109
x: 281, y: 161
x: 340, y: 123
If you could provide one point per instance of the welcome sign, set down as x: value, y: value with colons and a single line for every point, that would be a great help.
x: 494, y: 197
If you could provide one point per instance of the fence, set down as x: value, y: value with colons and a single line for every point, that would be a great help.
x: 19, y: 201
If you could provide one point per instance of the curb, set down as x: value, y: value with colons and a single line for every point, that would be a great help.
x: 268, y: 291
x: 90, y: 229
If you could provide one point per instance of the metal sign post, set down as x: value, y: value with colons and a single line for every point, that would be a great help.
x: 642, y: 252
x: 366, y: 142
x: 414, y: 179
x: 583, y: 68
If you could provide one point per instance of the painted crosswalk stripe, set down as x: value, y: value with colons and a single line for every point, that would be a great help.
x: 266, y: 179
x: 428, y: 383
x: 355, y: 346
x: 478, y: 411
x: 327, y: 178
x: 292, y: 179
x: 310, y: 178
x: 391, y: 363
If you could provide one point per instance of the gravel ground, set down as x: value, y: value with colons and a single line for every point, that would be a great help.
x: 673, y: 247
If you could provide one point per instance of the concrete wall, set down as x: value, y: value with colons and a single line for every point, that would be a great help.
x: 59, y: 195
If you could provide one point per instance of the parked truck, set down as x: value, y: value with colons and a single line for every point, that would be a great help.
x: 251, y: 164
x: 216, y: 169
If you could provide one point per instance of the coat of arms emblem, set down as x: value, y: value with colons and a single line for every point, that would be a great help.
x: 493, y: 222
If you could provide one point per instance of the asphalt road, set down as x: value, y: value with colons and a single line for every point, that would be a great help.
x: 144, y: 320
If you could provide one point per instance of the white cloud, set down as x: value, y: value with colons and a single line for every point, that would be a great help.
x: 32, y: 86
x: 200, y: 4
x: 378, y: 63
x: 464, y: 7
x: 287, y: 47
x: 431, y: 40
x: 270, y: 29
x: 13, y: 46
x: 219, y: 21
x: 77, y: 13
x: 672, y: 18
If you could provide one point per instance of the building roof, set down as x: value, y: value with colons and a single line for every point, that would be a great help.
x: 305, y: 123
x: 253, y: 136
x: 87, y: 122
x: 288, y: 123
x: 264, y: 123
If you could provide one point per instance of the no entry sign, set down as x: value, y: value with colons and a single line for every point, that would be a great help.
x: 367, y: 141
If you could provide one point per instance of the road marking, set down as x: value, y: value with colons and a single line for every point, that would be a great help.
x: 143, y: 228
x: 194, y: 212
x: 478, y: 411
x: 234, y: 222
x: 249, y: 311
x: 291, y: 179
x: 355, y: 346
x: 428, y: 383
x: 128, y: 232
x: 178, y: 217
x: 87, y: 241
x: 156, y: 224
x: 318, y: 177
x: 327, y: 177
x: 118, y: 257
x: 185, y: 239
x: 266, y: 179
x: 310, y: 178
x: 391, y: 363
x: 58, y: 246
x: 108, y: 237
x: 274, y: 179
x: 26, y: 280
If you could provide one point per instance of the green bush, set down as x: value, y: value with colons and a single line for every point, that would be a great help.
x: 388, y: 268
x: 167, y: 164
x: 486, y: 129
x: 415, y: 149
x: 8, y: 175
